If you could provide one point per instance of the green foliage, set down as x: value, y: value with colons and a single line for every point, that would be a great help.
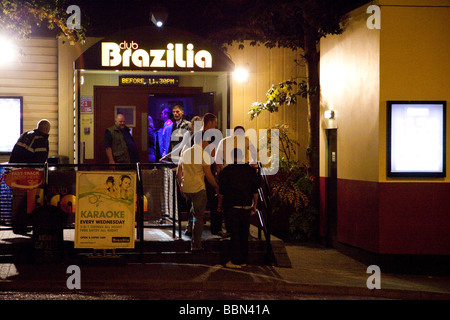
x: 291, y: 192
x: 18, y: 18
x: 284, y: 93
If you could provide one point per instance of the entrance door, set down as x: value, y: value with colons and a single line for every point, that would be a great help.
x: 332, y: 188
x: 134, y: 102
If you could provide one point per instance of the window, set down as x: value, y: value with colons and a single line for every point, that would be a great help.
x: 416, y: 138
x: 11, y: 128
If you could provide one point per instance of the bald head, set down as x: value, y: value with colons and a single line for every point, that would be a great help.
x: 120, y: 121
x: 44, y: 126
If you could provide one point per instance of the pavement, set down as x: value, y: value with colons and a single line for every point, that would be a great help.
x: 314, y: 270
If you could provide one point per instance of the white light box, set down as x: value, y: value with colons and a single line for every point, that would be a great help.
x: 416, y: 138
x: 11, y: 123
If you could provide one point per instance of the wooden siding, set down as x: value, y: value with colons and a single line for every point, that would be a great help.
x: 267, y: 67
x: 34, y: 76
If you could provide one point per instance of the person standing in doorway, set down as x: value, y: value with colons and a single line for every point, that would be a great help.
x: 164, y: 133
x: 151, y: 140
x: 179, y: 128
x: 119, y: 143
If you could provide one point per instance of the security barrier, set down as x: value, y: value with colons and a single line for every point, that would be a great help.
x: 155, y: 188
x: 27, y: 188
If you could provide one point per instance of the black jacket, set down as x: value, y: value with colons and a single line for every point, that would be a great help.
x: 32, y: 147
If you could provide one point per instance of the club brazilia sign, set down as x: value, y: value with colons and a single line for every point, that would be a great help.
x: 129, y: 53
x: 155, y: 49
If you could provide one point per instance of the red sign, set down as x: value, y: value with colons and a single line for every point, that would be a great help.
x: 86, y: 104
x: 25, y: 179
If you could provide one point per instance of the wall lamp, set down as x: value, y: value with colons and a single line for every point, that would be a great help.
x: 241, y: 74
x: 328, y: 114
x: 8, y: 53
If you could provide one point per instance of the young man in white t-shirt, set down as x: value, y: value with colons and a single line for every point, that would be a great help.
x: 193, y: 167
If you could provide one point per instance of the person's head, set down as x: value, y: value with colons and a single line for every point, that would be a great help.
x: 150, y: 122
x: 125, y: 182
x: 165, y: 114
x: 209, y: 121
x: 120, y: 121
x: 177, y: 112
x: 110, y: 181
x: 193, y: 120
x: 44, y: 126
x: 237, y: 155
x: 239, y: 130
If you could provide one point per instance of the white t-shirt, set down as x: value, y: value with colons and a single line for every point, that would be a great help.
x: 192, y: 162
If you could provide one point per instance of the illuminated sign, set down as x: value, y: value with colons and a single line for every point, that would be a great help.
x: 25, y: 179
x: 148, y: 81
x: 416, y: 138
x: 174, y: 56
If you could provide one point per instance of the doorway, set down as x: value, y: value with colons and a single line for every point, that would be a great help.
x: 134, y: 102
x: 331, y: 188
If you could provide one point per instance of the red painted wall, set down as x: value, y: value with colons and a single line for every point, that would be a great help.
x: 394, y: 218
x: 415, y: 218
x: 357, y: 214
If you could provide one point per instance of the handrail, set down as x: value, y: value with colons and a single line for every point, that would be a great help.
x: 263, y: 214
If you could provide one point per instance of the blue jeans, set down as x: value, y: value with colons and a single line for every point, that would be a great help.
x: 198, y: 207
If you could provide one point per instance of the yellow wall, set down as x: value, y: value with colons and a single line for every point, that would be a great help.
x: 349, y: 79
x: 414, y: 65
x: 67, y: 54
x: 267, y: 67
x: 34, y: 76
x: 361, y: 69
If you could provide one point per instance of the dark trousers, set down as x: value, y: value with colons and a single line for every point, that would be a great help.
x: 215, y: 217
x: 239, y: 223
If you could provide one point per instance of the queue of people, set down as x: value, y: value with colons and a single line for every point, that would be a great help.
x: 222, y: 181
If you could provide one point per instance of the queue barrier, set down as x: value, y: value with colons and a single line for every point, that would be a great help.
x: 156, y: 193
x: 156, y: 206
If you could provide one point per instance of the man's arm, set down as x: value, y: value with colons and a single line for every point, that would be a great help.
x: 210, y: 177
x: 110, y: 156
x: 108, y: 144
x: 255, y: 202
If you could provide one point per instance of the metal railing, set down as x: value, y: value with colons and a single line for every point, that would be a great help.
x: 173, y: 216
x: 264, y: 214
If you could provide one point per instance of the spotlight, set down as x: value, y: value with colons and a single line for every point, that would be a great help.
x: 158, y: 23
x: 328, y: 114
x: 8, y: 53
x: 241, y: 74
x: 158, y: 16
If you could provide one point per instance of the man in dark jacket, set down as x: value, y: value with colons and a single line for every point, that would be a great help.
x: 119, y: 144
x: 32, y: 146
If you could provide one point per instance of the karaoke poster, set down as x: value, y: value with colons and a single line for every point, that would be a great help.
x: 105, y: 213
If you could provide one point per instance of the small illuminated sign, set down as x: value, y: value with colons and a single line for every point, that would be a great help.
x: 416, y: 138
x: 129, y: 53
x: 159, y: 81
